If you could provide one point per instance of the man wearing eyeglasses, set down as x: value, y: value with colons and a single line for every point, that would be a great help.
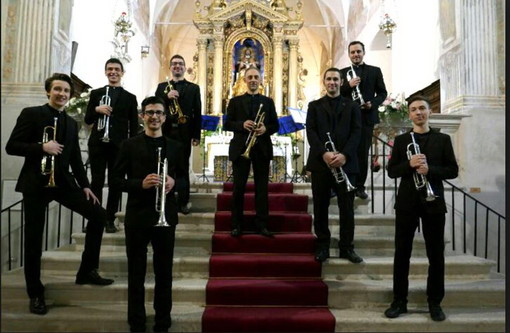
x: 185, y: 127
x: 137, y: 171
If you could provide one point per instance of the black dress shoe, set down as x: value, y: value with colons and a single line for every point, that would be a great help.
x: 185, y: 209
x: 265, y: 232
x: 351, y: 256
x: 138, y: 329
x: 236, y: 232
x: 396, y: 309
x: 38, y: 306
x: 436, y: 313
x: 92, y: 277
x: 110, y: 227
x: 360, y: 193
x: 321, y: 255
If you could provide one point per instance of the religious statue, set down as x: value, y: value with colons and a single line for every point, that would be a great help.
x: 248, y: 58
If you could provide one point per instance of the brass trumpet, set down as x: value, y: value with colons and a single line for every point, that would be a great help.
x: 160, y: 191
x: 104, y: 122
x: 338, y: 173
x: 175, y: 109
x: 48, y: 160
x: 356, y: 93
x: 420, y: 180
x: 252, y: 138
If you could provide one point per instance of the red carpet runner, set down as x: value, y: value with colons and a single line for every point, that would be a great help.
x: 260, y: 284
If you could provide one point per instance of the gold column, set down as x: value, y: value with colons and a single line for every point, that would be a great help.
x: 218, y: 73
x: 278, y: 73
x: 202, y: 71
x: 293, y: 71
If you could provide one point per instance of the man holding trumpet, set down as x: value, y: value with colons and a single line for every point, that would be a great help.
x: 112, y: 112
x: 183, y: 108
x: 138, y: 171
x: 333, y: 121
x: 70, y: 189
x: 422, y: 157
x: 254, y: 141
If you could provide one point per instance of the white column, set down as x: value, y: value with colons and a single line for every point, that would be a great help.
x: 293, y: 64
x: 202, y: 71
x: 278, y: 73
x: 218, y: 74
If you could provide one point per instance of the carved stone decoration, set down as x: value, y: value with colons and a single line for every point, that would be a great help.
x: 265, y: 23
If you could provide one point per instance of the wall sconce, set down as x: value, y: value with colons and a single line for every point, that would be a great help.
x: 388, y: 26
x: 145, y: 51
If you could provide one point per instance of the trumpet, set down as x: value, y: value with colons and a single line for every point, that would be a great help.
x: 104, y: 122
x: 252, y: 138
x: 338, y: 173
x: 420, y: 181
x: 160, y: 191
x: 175, y: 109
x: 48, y: 161
x: 356, y: 93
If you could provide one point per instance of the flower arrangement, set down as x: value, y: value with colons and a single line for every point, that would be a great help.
x: 394, y: 112
x: 77, y: 106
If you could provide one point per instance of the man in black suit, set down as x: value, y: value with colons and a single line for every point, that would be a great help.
x: 340, y: 117
x: 241, y: 113
x: 369, y: 80
x: 186, y: 127
x: 119, y: 107
x: 61, y: 152
x: 432, y: 160
x: 138, y: 172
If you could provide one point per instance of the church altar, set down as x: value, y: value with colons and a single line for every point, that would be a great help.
x: 216, y: 155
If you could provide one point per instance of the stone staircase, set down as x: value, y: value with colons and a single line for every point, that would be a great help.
x: 358, y: 294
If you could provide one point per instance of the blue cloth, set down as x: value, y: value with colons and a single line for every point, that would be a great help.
x: 210, y: 123
x: 287, y: 125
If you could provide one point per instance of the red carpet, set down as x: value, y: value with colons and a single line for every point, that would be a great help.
x: 261, y: 284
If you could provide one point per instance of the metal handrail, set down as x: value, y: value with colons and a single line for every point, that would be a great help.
x: 468, y: 243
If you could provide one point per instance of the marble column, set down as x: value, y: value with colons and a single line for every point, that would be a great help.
x: 218, y: 74
x: 293, y: 72
x: 469, y: 69
x: 202, y: 71
x: 278, y: 73
x: 35, y: 44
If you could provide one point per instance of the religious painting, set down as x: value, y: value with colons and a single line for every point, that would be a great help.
x: 247, y: 53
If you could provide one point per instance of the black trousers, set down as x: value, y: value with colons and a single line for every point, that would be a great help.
x: 363, y: 151
x: 322, y: 184
x: 162, y: 240
x: 241, y: 171
x: 102, y: 157
x: 433, y: 233
x: 182, y: 184
x: 34, y: 208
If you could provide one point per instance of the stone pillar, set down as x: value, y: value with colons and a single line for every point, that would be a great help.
x: 278, y: 73
x: 293, y: 72
x: 469, y: 70
x: 35, y: 44
x: 218, y: 74
x: 202, y: 71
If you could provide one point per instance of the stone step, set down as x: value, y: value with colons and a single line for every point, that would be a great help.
x: 418, y: 320
x: 62, y: 289
x: 349, y: 294
x: 114, y: 264
x: 93, y: 317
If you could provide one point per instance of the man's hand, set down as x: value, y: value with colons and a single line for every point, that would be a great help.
x: 90, y: 195
x: 52, y: 148
x: 354, y: 81
x: 419, y: 163
x: 260, y: 130
x: 151, y: 180
x: 248, y: 125
x: 104, y: 109
x: 334, y: 160
x: 173, y: 94
x: 195, y: 142
x: 169, y: 184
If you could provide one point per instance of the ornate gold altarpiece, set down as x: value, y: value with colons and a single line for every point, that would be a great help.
x: 269, y: 29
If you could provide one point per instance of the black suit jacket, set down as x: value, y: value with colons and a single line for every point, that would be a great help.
x: 238, y: 111
x: 133, y: 164
x: 191, y: 105
x: 123, y: 120
x: 25, y: 140
x: 442, y: 165
x: 372, y: 89
x: 346, y: 135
